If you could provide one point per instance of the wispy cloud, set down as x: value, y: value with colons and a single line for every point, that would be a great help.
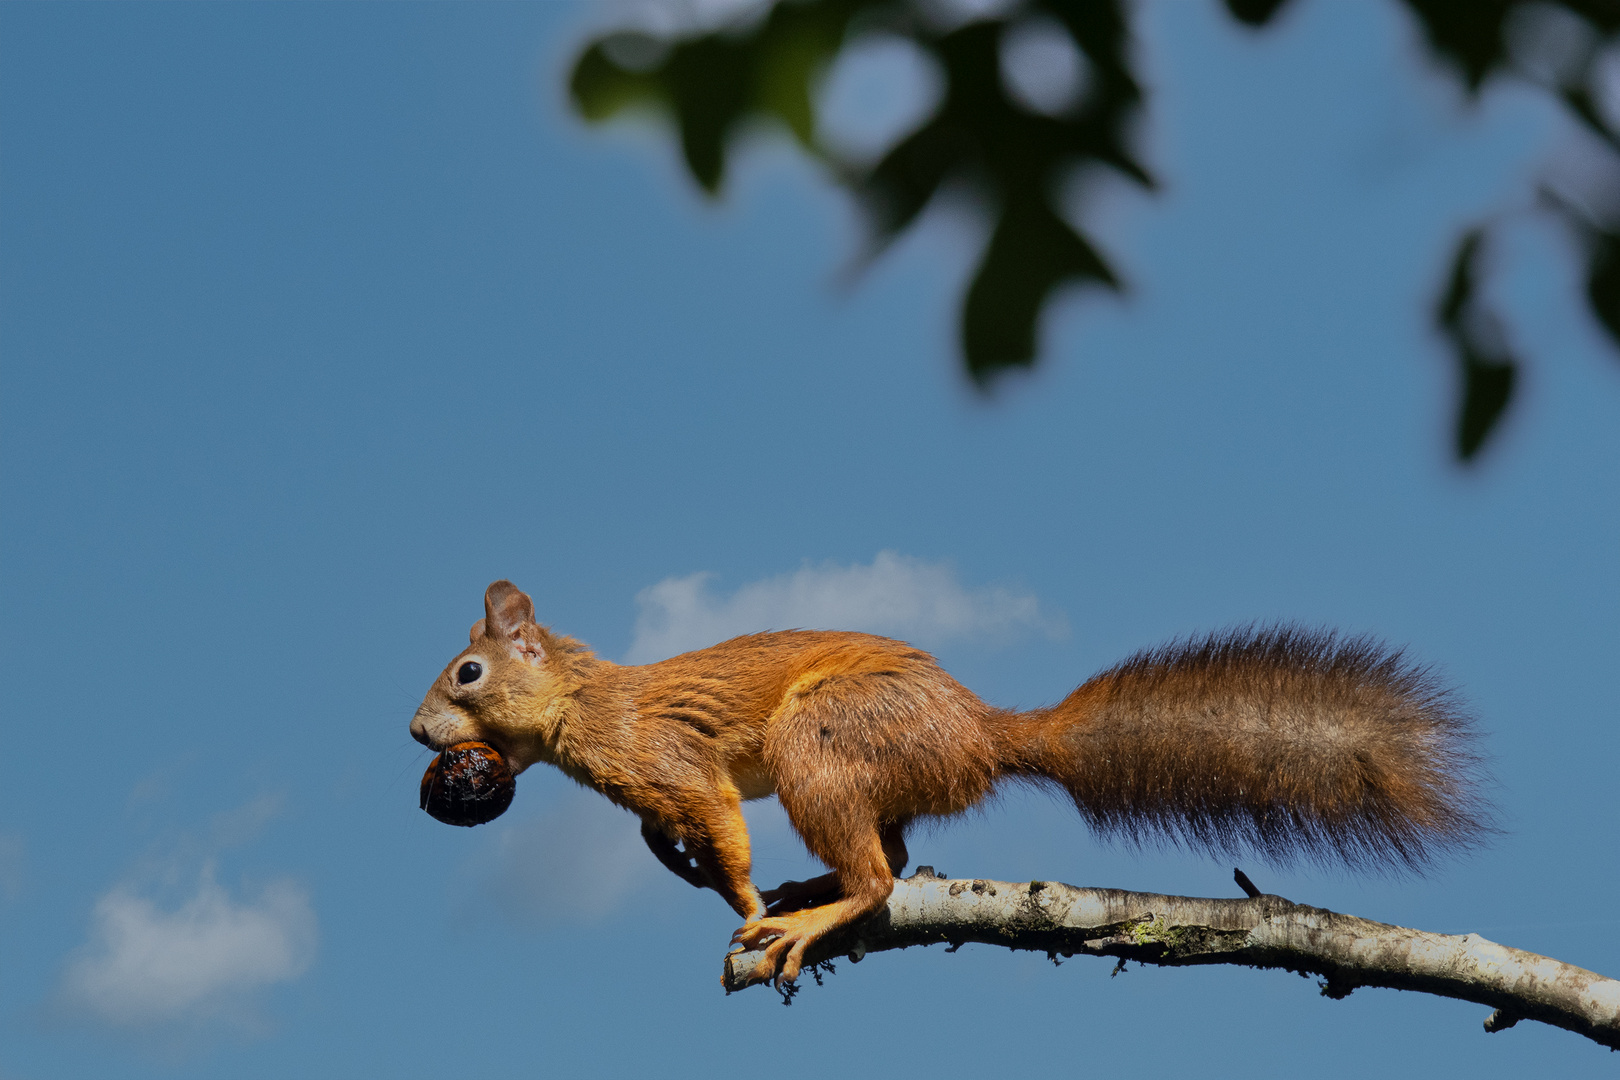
x: 572, y: 864
x: 147, y: 967
x: 895, y: 595
x: 582, y: 859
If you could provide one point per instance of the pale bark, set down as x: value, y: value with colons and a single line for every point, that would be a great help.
x: 1261, y: 931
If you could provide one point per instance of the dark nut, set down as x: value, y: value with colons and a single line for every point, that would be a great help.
x: 468, y: 784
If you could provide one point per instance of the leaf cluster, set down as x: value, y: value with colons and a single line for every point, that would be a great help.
x: 714, y: 84
x: 1560, y: 46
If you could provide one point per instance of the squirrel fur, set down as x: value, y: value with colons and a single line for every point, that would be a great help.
x: 1287, y: 742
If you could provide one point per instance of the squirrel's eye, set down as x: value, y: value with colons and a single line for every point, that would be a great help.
x: 469, y: 672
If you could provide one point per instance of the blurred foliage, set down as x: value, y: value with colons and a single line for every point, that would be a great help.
x: 1487, y: 368
x: 714, y: 84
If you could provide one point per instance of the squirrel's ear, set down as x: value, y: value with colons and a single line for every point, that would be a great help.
x: 476, y: 632
x: 509, y: 614
x: 507, y: 609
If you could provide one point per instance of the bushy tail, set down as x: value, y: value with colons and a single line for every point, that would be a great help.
x: 1289, y: 743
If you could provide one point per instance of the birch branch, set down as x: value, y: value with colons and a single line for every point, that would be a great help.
x: 1262, y: 931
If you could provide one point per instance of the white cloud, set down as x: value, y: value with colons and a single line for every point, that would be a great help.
x: 145, y: 966
x: 896, y: 595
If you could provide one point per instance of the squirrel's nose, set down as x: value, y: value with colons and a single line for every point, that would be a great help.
x: 419, y: 732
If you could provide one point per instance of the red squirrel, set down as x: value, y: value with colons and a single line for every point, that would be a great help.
x: 1286, y: 742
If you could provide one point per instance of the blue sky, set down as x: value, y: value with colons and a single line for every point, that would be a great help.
x: 314, y: 319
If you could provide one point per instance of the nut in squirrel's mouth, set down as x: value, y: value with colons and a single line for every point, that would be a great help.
x: 468, y: 784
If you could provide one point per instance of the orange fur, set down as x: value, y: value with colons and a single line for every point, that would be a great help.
x: 1285, y: 742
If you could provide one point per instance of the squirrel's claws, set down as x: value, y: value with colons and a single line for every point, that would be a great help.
x: 757, y: 934
x: 784, y: 945
x: 784, y: 957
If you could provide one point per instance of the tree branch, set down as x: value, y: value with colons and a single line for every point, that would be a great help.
x: 1263, y: 931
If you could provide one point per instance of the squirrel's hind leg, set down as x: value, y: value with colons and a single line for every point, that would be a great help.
x: 842, y: 830
x: 864, y: 881
x: 797, y: 895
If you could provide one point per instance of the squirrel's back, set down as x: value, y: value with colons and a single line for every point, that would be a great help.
x: 1291, y: 743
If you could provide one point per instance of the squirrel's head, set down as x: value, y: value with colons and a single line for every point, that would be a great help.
x: 507, y: 688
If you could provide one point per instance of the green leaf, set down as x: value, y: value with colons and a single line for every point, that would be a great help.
x: 1603, y: 281
x: 1031, y: 253
x: 1460, y: 281
x: 1486, y: 369
x: 1601, y: 242
x: 601, y: 88
x: 1015, y: 161
x: 1487, y: 387
x: 1254, y: 12
x: 1469, y: 34
x: 710, y: 84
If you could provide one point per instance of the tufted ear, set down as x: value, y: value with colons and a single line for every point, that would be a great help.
x: 509, y: 615
x: 476, y: 632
